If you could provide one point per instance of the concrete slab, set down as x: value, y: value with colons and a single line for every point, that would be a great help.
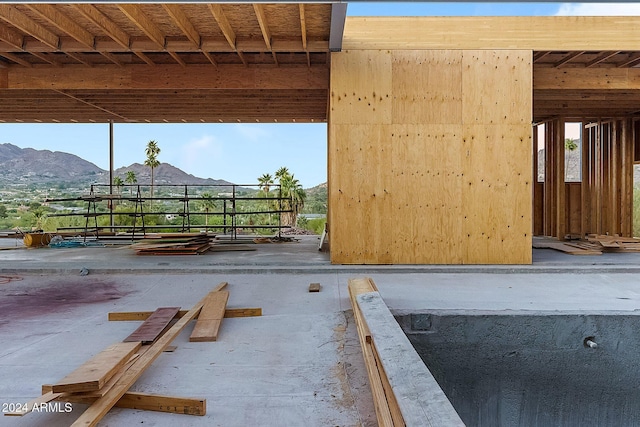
x: 298, y: 364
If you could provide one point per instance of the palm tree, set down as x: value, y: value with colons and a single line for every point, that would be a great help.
x: 117, y: 181
x: 152, y: 152
x: 131, y: 179
x: 293, y: 193
x: 265, y: 181
x: 207, y: 204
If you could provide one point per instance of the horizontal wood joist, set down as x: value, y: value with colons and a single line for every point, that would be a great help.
x: 166, y: 77
x: 163, y: 106
x: 541, y: 33
x: 586, y: 78
x: 140, y: 44
x: 585, y: 104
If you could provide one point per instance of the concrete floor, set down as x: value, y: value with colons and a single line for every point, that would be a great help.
x: 298, y: 364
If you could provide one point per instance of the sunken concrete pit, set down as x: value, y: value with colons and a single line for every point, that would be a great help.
x: 532, y: 369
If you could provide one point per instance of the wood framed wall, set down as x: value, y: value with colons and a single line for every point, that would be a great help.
x: 429, y: 159
x: 602, y: 202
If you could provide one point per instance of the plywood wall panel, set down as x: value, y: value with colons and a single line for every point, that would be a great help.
x: 363, y: 91
x: 427, y: 158
x: 361, y: 217
x: 497, y: 194
x: 440, y: 172
x: 497, y: 87
x: 427, y: 87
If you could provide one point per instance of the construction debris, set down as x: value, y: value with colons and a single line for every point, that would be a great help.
x: 595, y: 244
x: 104, y: 380
x: 174, y: 246
x: 314, y: 287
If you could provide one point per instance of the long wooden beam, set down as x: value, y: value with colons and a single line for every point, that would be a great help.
x: 540, y: 33
x: 11, y: 37
x: 138, y: 17
x: 18, y: 19
x: 586, y: 78
x: 144, y: 315
x: 142, y: 401
x: 101, y: 406
x: 210, y: 44
x: 107, y: 25
x: 170, y: 77
x: 53, y: 15
x: 223, y: 23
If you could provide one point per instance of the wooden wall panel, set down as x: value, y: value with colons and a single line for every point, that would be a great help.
x: 361, y: 217
x: 361, y: 87
x: 497, y: 194
x: 497, y: 87
x: 399, y: 182
x: 433, y: 95
x: 427, y: 194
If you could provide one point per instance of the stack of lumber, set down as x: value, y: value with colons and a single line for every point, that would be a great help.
x: 104, y: 380
x: 174, y: 246
x: 569, y: 247
x: 615, y: 243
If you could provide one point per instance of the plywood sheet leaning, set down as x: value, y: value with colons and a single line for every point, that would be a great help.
x: 153, y: 327
x: 210, y: 317
x: 94, y: 373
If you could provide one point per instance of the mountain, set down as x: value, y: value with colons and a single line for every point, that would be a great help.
x: 26, y: 165
x: 30, y: 166
x: 166, y: 173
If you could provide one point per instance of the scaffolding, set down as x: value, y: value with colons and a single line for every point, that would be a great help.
x: 239, y: 206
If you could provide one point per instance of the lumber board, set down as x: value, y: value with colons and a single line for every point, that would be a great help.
x: 394, y: 408
x: 95, y: 372
x: 314, y: 287
x: 566, y: 248
x: 120, y: 316
x: 153, y: 327
x: 381, y: 404
x: 143, y: 401
x: 210, y: 318
x: 101, y: 406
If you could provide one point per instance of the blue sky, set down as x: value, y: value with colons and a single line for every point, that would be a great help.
x: 240, y: 152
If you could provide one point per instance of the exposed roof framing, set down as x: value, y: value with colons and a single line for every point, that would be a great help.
x: 106, y: 60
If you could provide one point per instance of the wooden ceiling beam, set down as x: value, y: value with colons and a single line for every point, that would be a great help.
x: 209, y: 57
x: 182, y: 21
x: 586, y: 78
x: 177, y: 58
x: 601, y: 58
x: 570, y: 57
x: 135, y: 14
x: 539, y: 55
x: 144, y: 57
x: 79, y: 58
x: 209, y: 44
x: 303, y: 26
x: 11, y: 37
x: 264, y: 27
x: 16, y: 59
x: 46, y: 58
x: 223, y: 23
x: 628, y: 61
x: 172, y: 77
x: 90, y: 104
x: 107, y: 25
x: 21, y: 21
x: 61, y: 21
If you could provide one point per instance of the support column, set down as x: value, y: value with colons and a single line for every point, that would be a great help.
x: 111, y: 170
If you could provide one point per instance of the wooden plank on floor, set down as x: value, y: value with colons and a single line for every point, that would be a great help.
x: 118, y: 316
x: 153, y: 327
x: 381, y: 404
x: 95, y: 372
x: 210, y: 318
x: 101, y: 406
x: 142, y: 401
x: 314, y: 287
